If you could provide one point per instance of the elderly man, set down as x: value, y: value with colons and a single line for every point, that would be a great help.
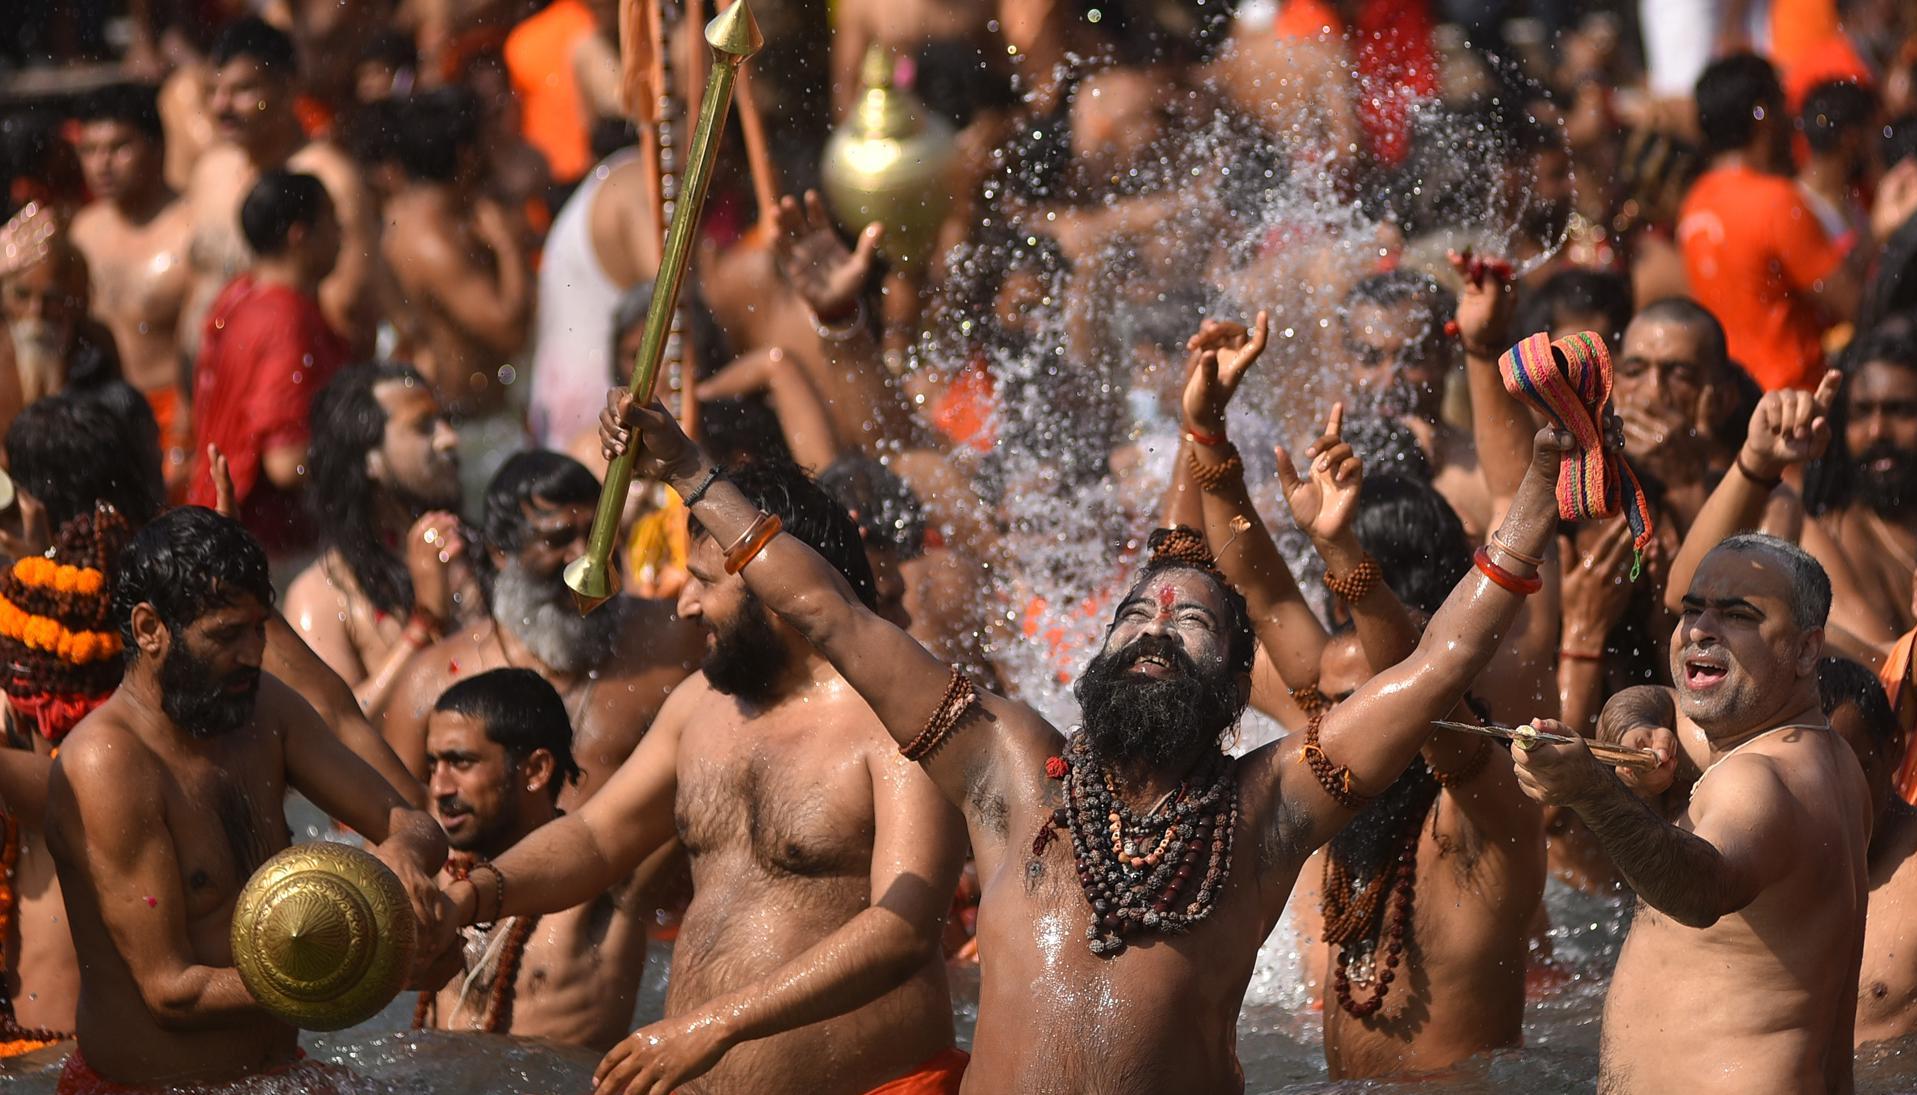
x: 1130, y: 871
x: 50, y: 343
x: 1754, y: 890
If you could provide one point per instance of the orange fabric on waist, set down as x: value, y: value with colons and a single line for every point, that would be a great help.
x: 939, y: 1075
x: 166, y: 414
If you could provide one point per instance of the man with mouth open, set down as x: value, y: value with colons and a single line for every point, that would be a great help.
x: 1751, y: 895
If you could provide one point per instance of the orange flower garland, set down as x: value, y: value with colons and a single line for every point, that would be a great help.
x: 46, y: 633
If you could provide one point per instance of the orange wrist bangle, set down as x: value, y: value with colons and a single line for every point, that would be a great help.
x: 1503, y: 578
x: 749, y: 545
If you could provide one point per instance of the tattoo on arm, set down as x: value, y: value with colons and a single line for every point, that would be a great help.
x: 1675, y: 872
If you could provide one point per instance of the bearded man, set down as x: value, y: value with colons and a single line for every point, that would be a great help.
x: 51, y: 345
x: 613, y: 668
x: 382, y: 484
x: 1754, y: 889
x: 822, y: 863
x: 168, y: 797
x: 1131, y: 871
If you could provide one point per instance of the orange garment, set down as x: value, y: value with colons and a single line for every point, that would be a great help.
x: 1895, y: 676
x: 1832, y: 59
x: 1752, y: 250
x: 539, y: 59
x: 302, y: 1075
x: 1800, y: 26
x: 939, y: 1075
x: 1392, y: 57
x: 966, y: 410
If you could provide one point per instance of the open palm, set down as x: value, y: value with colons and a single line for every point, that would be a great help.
x: 1324, y: 500
x: 1222, y: 353
x: 825, y: 273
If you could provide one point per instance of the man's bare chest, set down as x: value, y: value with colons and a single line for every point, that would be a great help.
x: 786, y: 805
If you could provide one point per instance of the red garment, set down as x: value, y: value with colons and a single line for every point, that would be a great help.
x: 266, y: 352
x: 1396, y: 64
x: 940, y: 1074
x: 302, y: 1075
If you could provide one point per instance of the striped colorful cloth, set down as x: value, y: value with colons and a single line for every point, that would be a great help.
x: 1569, y: 382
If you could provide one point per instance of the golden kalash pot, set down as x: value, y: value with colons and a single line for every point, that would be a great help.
x: 888, y: 162
x: 323, y: 936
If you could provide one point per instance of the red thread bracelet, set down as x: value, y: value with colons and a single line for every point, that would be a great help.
x: 1205, y: 439
x: 1503, y: 578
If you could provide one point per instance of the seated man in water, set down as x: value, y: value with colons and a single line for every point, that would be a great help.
x: 1755, y: 890
x: 498, y: 750
x: 1860, y: 713
x: 1131, y: 871
x: 822, y: 863
x: 167, y: 798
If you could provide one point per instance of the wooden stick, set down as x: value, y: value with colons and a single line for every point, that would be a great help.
x: 1622, y: 756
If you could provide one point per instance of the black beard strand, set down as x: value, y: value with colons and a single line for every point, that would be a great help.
x: 1164, y: 722
x: 747, y: 659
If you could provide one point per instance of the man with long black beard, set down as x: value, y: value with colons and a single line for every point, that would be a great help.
x: 1131, y: 871
x: 169, y: 795
x: 822, y: 862
x: 613, y: 668
x: 1864, y: 490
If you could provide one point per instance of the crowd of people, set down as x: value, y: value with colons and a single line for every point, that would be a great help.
x: 956, y: 628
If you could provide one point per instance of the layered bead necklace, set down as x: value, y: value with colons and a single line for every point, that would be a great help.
x: 498, y: 1016
x: 1366, y: 924
x: 1141, y: 873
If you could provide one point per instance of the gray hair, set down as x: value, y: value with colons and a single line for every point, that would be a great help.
x: 1810, y: 586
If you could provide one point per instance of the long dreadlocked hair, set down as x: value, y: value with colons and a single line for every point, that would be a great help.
x: 348, y: 423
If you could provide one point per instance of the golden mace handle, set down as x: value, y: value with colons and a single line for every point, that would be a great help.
x: 733, y: 36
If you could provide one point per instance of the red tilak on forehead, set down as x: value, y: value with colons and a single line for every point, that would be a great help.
x: 1166, y: 595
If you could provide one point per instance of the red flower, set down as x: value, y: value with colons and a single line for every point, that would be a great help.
x: 1055, y: 767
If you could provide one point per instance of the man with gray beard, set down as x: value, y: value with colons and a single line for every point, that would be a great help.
x: 50, y: 343
x: 612, y: 668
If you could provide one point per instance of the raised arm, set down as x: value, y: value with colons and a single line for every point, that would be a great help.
x: 1501, y: 427
x: 1743, y: 815
x: 293, y: 662
x: 1287, y: 629
x: 1365, y: 742
x: 577, y: 857
x: 1787, y: 429
x: 918, y: 846
x: 898, y: 678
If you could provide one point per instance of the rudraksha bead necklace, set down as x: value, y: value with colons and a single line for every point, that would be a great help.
x: 1141, y: 872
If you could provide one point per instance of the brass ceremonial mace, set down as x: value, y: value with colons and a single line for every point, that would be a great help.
x: 733, y: 36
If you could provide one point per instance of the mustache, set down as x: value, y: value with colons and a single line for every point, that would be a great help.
x: 452, y: 804
x: 1882, y: 450
x: 1146, y: 646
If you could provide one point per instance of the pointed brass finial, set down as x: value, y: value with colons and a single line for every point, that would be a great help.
x: 591, y: 582
x: 735, y: 32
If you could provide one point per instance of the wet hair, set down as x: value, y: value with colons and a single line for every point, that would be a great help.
x: 347, y: 424
x: 186, y: 563
x: 1830, y: 480
x: 807, y: 513
x: 1580, y: 293
x: 1810, y: 586
x: 370, y: 134
x: 1832, y: 111
x: 522, y: 713
x: 277, y: 202
x: 269, y: 47
x: 1842, y: 682
x: 710, y: 348
x: 1729, y: 96
x: 435, y: 129
x: 1430, y: 304
x: 887, y: 513
x: 134, y: 105
x: 1415, y: 536
x: 550, y: 477
x: 1387, y: 446
x: 740, y: 429
x: 79, y: 448
x: 1713, y: 352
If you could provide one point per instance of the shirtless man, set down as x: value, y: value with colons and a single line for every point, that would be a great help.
x: 1864, y: 490
x: 393, y: 572
x: 51, y: 345
x: 251, y: 100
x: 460, y: 272
x: 613, y: 668
x: 167, y: 798
x: 1673, y: 390
x: 1161, y: 980
x: 822, y: 864
x: 498, y: 750
x: 1755, y: 890
x: 134, y: 236
x: 1853, y: 698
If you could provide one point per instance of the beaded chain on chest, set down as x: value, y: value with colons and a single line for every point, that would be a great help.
x: 497, y: 1018
x: 1141, y: 873
x: 1363, y: 934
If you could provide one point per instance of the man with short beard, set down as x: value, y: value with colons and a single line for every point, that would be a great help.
x: 168, y: 797
x: 382, y: 484
x: 1740, y: 970
x: 822, y: 863
x: 1864, y: 490
x: 499, y: 750
x: 1131, y: 871
x: 613, y: 668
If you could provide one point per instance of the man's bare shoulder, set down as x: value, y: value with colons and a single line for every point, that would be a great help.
x: 322, y: 583
x: 326, y: 162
